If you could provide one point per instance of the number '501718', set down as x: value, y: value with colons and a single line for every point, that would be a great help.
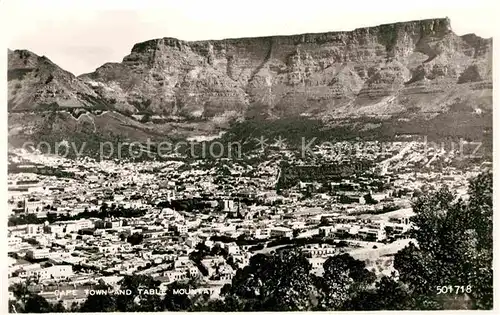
x: 454, y: 289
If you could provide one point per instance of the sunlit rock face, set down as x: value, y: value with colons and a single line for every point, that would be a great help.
x: 378, y: 70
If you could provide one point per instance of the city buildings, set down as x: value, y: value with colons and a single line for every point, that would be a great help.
x: 184, y: 221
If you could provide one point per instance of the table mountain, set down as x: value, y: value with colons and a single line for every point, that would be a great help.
x: 410, y: 70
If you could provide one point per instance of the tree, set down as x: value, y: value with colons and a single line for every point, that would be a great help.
x: 37, y: 304
x: 454, y: 240
x: 343, y: 278
x: 21, y: 291
x: 480, y: 234
x: 139, y: 300
x: 176, y: 302
x: 280, y: 282
x: 14, y: 307
x: 369, y: 199
x: 388, y: 294
x: 104, y: 207
x: 135, y: 239
x: 146, y: 118
x: 28, y: 302
x: 58, y: 308
x: 99, y: 303
x: 123, y: 236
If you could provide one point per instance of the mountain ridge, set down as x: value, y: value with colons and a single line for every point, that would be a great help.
x: 406, y: 70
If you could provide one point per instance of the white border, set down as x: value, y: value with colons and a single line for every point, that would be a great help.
x: 403, y: 11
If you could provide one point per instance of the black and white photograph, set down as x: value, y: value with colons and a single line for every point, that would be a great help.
x: 241, y: 156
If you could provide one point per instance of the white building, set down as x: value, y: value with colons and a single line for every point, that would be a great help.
x: 371, y: 234
x: 109, y: 249
x: 326, y: 230
x: 232, y: 249
x: 281, y: 232
x: 13, y: 242
x: 41, y: 253
x: 181, y: 228
x: 56, y: 272
x: 33, y: 205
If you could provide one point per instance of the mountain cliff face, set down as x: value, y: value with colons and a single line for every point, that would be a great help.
x: 380, y: 70
x: 411, y: 69
x: 35, y: 82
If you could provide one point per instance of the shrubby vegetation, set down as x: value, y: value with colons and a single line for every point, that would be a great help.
x: 102, y: 213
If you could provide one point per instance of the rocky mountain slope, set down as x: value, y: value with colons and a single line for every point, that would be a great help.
x: 409, y: 70
x: 35, y: 82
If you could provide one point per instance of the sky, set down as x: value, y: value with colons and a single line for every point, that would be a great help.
x: 80, y: 36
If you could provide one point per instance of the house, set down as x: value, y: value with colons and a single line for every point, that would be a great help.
x: 29, y: 271
x: 228, y: 206
x: 224, y: 273
x: 343, y: 230
x: 55, y: 229
x: 113, y: 224
x: 174, y: 275
x: 34, y: 229
x: 326, y: 230
x: 33, y: 205
x: 379, y: 196
x: 261, y: 233
x: 371, y: 234
x: 110, y: 249
x: 232, y: 248
x: 41, y: 253
x: 395, y: 229
x: 210, y: 263
x: 56, y: 272
x: 13, y: 242
x: 181, y: 228
x: 281, y: 232
x: 319, y: 250
x: 400, y: 219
